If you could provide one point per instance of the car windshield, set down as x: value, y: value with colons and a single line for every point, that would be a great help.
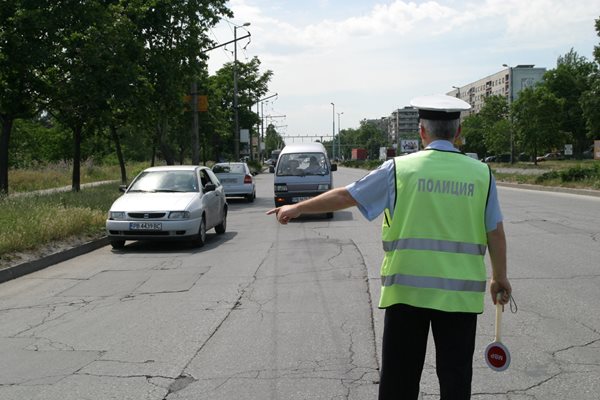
x: 165, y: 181
x: 302, y: 164
x: 229, y: 169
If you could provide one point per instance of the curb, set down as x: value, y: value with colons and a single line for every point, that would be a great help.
x: 17, y: 271
x: 526, y: 186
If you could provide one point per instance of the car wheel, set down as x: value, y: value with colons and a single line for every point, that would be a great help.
x: 220, y: 229
x: 201, y: 238
x: 117, y: 244
x: 250, y: 197
x: 329, y: 215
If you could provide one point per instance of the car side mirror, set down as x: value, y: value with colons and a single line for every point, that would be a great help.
x: 122, y: 188
x: 209, y: 187
x: 333, y: 167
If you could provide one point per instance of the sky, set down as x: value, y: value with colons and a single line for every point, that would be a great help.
x: 371, y: 57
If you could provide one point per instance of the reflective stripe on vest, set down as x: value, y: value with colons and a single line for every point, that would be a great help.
x: 433, y: 283
x: 435, y: 245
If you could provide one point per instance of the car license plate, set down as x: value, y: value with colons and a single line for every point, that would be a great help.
x: 299, y: 199
x: 145, y: 226
x: 229, y: 180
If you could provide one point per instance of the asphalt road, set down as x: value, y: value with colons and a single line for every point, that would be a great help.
x: 289, y: 312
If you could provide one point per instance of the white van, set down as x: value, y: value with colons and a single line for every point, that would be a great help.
x: 302, y: 171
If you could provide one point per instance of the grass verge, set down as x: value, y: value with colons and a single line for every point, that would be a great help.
x: 583, y: 175
x: 60, y: 174
x: 29, y: 221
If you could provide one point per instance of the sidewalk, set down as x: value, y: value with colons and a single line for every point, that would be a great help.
x: 58, y: 189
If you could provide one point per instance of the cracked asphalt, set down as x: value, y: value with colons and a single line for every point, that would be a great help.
x: 289, y: 312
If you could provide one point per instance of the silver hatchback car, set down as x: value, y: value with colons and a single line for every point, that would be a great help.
x: 167, y: 203
x: 236, y: 178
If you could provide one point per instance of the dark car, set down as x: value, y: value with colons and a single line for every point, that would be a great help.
x: 550, y: 156
x: 504, y: 158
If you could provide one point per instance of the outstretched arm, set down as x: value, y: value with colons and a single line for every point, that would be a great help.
x: 333, y: 200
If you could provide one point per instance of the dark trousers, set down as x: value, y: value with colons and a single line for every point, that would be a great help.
x: 405, y: 343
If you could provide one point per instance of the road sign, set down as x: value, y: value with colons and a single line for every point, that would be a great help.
x: 568, y: 149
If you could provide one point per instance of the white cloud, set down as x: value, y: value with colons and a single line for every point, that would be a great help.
x: 375, y: 61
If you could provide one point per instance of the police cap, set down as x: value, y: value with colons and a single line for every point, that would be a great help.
x: 439, y: 107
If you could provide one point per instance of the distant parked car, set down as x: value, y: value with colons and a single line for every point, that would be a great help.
x: 524, y: 157
x: 168, y: 203
x: 550, y: 156
x: 500, y: 158
x: 237, y: 180
x: 473, y: 155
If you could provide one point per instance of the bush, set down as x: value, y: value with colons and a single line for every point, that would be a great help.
x: 255, y: 166
x: 547, y: 176
x: 579, y: 173
x: 573, y: 174
x: 364, y: 164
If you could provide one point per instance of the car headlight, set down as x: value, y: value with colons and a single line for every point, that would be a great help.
x: 281, y: 188
x: 323, y: 186
x: 179, y: 215
x: 116, y: 215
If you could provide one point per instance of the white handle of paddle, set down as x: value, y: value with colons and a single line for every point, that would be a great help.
x: 498, y: 316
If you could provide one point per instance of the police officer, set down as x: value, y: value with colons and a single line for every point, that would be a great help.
x: 441, y: 215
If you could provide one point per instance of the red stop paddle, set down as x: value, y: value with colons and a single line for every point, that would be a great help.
x: 497, y: 356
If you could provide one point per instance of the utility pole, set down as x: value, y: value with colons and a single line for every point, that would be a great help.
x: 333, y: 134
x: 195, y: 126
x: 236, y: 132
x: 261, y: 124
x: 194, y: 105
x: 339, y: 138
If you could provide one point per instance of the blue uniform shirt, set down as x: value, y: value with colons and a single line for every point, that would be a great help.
x: 377, y: 191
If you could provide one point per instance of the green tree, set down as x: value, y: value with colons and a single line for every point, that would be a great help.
x: 495, y: 124
x: 569, y: 81
x: 590, y: 105
x: 590, y: 99
x: 537, y: 117
x: 78, y: 70
x: 366, y: 136
x: 474, y: 133
x: 174, y: 34
x: 273, y: 140
x: 25, y: 44
x: 252, y: 85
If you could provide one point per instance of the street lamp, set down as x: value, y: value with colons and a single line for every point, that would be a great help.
x: 333, y: 134
x: 457, y: 91
x: 236, y: 133
x: 339, y: 138
x: 510, y: 100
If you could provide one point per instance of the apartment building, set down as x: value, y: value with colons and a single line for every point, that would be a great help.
x: 403, y: 124
x: 507, y: 82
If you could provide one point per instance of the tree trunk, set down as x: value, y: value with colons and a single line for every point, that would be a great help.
x: 7, y: 123
x: 76, y: 184
x: 115, y: 136
x: 164, y: 147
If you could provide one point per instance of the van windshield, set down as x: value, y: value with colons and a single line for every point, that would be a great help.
x: 302, y: 164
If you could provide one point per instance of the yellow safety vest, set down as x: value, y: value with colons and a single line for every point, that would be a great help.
x: 436, y: 240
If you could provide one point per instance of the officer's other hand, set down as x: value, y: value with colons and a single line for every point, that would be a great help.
x: 284, y: 214
x: 500, y: 286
